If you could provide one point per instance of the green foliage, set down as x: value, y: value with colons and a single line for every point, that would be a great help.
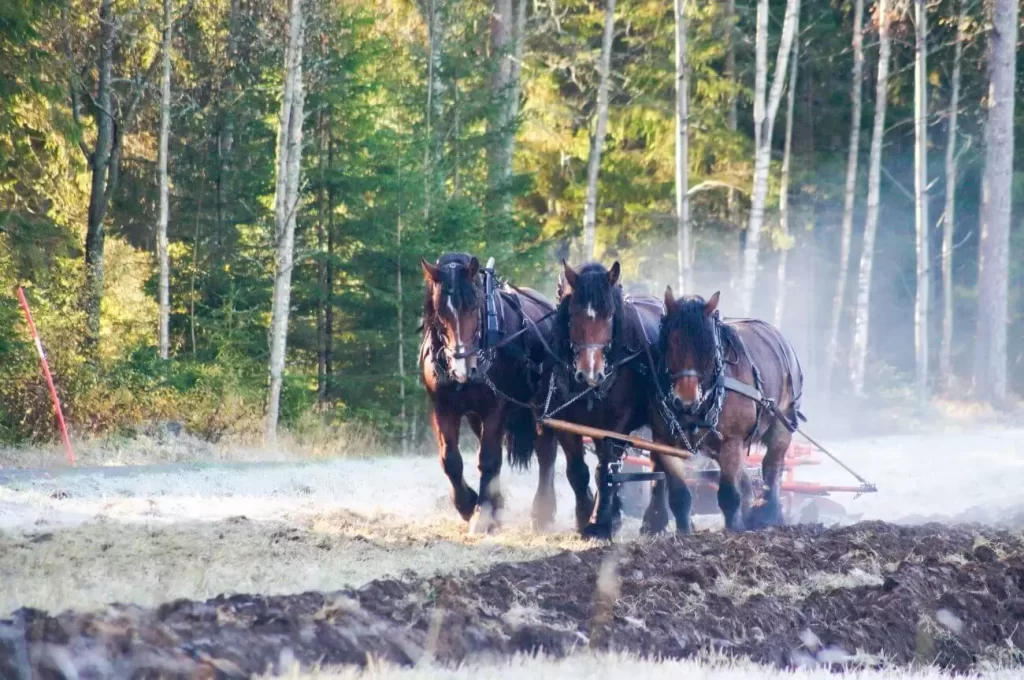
x: 373, y: 167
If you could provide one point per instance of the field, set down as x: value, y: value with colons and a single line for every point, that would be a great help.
x: 233, y: 569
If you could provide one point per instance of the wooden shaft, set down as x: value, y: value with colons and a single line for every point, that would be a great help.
x: 597, y: 434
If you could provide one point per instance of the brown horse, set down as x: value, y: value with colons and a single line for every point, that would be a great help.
x: 601, y: 379
x: 723, y: 385
x: 487, y: 381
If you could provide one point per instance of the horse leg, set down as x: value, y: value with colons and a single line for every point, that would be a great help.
x: 608, y: 514
x: 777, y: 441
x: 578, y: 474
x: 544, y: 502
x: 679, y: 498
x: 656, y: 516
x: 491, y: 503
x: 446, y: 428
x: 733, y: 484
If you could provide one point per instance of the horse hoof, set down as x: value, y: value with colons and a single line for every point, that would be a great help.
x: 542, y: 525
x: 483, y: 523
x: 598, y: 532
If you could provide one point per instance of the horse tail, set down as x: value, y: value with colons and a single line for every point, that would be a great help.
x: 520, y: 436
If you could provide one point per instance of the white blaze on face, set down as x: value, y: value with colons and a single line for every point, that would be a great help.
x: 591, y: 314
x: 459, y: 368
x: 592, y: 367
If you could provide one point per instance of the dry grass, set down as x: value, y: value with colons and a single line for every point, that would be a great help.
x: 622, y: 667
x: 98, y: 563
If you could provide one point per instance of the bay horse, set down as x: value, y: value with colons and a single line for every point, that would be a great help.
x: 723, y: 385
x: 489, y: 386
x: 601, y: 379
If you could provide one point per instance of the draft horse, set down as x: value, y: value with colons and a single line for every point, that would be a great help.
x: 486, y: 380
x: 723, y: 385
x: 600, y: 379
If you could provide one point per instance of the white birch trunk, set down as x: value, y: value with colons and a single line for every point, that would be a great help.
x: 780, y: 285
x: 289, y: 162
x: 859, y: 353
x: 682, y: 149
x: 508, y: 39
x: 949, y: 216
x: 922, y: 292
x: 164, y: 284
x: 597, y: 141
x: 764, y: 121
x: 849, y: 197
x: 993, y: 263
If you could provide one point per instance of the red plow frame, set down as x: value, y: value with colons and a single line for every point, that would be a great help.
x: 800, y: 497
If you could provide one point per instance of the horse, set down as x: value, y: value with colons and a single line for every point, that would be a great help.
x: 600, y: 379
x: 721, y: 386
x: 486, y: 380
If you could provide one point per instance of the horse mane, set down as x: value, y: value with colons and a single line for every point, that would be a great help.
x: 460, y: 289
x: 592, y: 288
x: 689, y: 318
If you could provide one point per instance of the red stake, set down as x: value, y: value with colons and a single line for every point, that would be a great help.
x: 46, y: 372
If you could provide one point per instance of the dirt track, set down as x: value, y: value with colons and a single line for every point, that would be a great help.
x: 147, y: 537
x: 862, y: 594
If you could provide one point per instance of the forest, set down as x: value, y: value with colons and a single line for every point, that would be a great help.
x: 217, y: 208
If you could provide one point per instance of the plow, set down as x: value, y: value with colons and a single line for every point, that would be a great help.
x: 804, y: 501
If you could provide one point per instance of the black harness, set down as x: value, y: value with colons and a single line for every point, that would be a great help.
x: 707, y: 410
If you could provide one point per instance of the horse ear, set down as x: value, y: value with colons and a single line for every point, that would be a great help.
x: 570, y: 276
x: 563, y: 287
x: 430, y: 272
x: 670, y: 300
x: 711, y: 305
x: 613, y: 273
x: 474, y: 268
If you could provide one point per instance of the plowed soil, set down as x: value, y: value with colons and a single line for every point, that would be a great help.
x: 868, y: 594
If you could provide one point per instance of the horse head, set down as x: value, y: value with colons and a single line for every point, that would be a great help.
x: 690, y: 347
x: 590, y: 311
x: 453, y: 307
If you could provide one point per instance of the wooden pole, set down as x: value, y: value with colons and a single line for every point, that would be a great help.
x: 46, y: 373
x: 596, y: 434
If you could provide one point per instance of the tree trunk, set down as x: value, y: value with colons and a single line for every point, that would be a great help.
x: 780, y: 292
x: 682, y: 149
x: 849, y: 197
x: 949, y: 216
x: 286, y: 203
x: 733, y: 115
x: 764, y: 122
x: 859, y: 353
x: 164, y: 286
x: 597, y: 141
x: 400, y: 305
x: 321, y: 274
x: 99, y: 165
x: 508, y: 28
x: 922, y: 293
x: 435, y: 104
x: 993, y: 263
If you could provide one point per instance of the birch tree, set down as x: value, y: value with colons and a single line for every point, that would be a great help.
x: 849, y: 195
x: 286, y: 203
x: 858, y: 356
x: 949, y: 215
x: 765, y: 109
x: 508, y: 37
x: 990, y: 379
x: 921, y: 295
x: 164, y: 285
x: 597, y: 141
x: 682, y: 148
x: 780, y: 295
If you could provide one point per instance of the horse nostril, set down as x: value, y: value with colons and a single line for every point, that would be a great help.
x: 600, y: 376
x: 580, y: 376
x: 472, y: 371
x: 677, y: 403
